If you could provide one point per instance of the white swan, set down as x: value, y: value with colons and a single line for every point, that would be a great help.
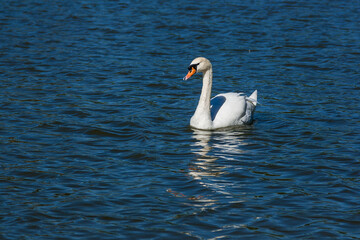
x: 224, y: 110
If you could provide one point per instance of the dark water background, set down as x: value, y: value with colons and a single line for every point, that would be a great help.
x: 95, y: 142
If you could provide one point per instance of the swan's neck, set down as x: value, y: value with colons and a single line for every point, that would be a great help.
x: 204, y: 102
x: 202, y: 117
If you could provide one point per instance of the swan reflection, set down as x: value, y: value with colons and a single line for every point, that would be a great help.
x: 213, y: 151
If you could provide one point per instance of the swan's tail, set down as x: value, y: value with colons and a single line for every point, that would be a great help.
x: 253, y: 98
x: 250, y: 108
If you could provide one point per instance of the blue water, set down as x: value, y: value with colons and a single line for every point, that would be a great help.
x: 95, y: 136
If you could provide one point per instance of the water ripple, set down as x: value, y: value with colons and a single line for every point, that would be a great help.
x: 94, y: 120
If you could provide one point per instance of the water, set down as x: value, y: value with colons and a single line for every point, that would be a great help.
x: 95, y: 136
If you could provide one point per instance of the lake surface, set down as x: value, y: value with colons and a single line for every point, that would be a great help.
x: 95, y: 136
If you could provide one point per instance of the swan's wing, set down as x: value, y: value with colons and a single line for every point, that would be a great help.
x: 229, y: 109
x: 215, y: 104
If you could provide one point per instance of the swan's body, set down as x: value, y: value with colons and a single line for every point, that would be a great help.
x: 224, y: 110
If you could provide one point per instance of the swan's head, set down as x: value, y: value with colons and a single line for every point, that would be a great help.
x: 199, y: 64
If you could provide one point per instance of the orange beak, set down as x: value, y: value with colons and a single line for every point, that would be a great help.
x: 190, y: 73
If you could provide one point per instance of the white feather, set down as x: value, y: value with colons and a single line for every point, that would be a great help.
x: 223, y: 110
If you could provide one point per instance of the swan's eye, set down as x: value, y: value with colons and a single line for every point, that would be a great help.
x: 193, y: 66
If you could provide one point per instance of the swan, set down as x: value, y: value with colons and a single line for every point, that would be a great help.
x: 223, y: 110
